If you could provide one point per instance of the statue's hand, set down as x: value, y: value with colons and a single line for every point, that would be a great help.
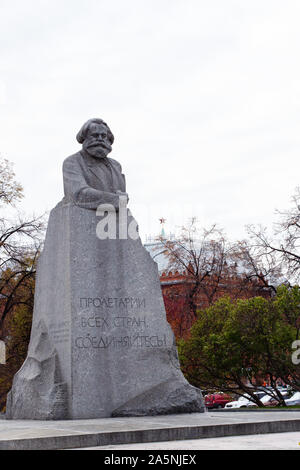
x: 120, y: 193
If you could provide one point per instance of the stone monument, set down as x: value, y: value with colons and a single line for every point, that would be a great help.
x: 100, y: 343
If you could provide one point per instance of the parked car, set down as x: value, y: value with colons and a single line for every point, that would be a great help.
x: 268, y: 400
x: 244, y: 401
x: 294, y: 400
x: 216, y: 400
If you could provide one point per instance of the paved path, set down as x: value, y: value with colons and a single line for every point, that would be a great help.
x: 126, y: 431
x: 282, y: 441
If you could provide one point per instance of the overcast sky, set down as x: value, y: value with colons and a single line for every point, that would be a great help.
x: 203, y: 98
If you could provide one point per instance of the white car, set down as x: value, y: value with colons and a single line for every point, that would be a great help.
x: 294, y: 400
x: 242, y: 402
x: 264, y: 399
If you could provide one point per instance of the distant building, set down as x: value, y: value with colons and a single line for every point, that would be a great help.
x: 176, y: 285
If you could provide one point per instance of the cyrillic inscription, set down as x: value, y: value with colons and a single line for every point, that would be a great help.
x: 112, y: 302
x: 91, y: 323
x: 137, y: 341
x: 105, y: 323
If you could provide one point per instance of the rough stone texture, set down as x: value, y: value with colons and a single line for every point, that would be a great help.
x: 37, y: 386
x: 99, y: 314
x: 172, y: 396
x: 100, y: 342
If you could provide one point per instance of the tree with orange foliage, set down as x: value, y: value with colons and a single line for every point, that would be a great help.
x: 210, y: 268
x: 20, y: 242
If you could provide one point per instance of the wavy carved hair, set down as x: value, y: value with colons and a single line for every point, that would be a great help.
x: 81, y: 136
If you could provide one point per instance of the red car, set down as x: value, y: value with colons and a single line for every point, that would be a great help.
x: 216, y: 400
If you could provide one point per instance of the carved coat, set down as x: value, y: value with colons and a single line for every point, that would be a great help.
x: 90, y: 181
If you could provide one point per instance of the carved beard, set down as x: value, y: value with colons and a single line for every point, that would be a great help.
x: 95, y: 149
